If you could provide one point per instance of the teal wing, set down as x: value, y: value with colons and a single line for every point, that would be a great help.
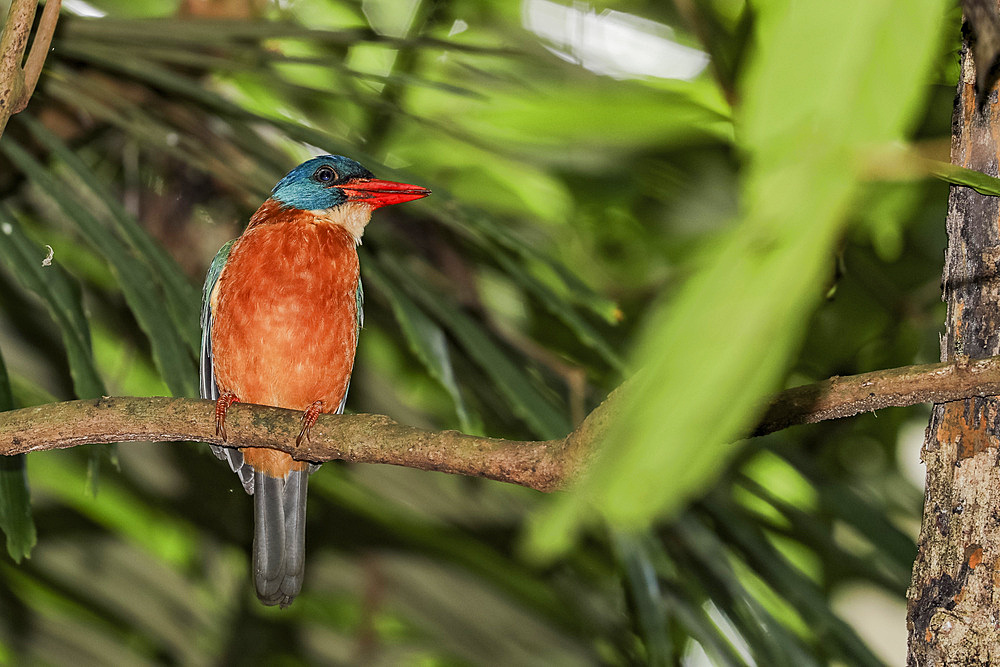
x: 206, y: 373
x: 359, y: 300
x: 206, y: 370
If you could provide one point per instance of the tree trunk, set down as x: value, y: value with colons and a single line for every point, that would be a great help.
x: 953, y: 614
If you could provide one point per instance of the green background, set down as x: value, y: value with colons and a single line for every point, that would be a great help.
x: 759, y: 222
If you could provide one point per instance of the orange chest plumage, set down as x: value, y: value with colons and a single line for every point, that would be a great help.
x: 285, y: 313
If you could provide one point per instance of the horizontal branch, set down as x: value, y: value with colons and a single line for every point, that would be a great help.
x: 838, y: 397
x: 360, y: 438
x: 542, y: 465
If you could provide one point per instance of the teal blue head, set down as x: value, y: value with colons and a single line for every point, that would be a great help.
x: 331, y: 180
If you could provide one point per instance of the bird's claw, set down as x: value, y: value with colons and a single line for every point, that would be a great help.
x: 309, y: 418
x: 221, y: 408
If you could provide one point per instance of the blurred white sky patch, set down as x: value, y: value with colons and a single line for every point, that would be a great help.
x: 909, y: 444
x: 878, y: 617
x: 616, y: 44
x: 81, y: 8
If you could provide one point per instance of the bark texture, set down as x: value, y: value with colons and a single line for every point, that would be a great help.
x: 953, y: 613
x: 545, y: 466
x: 17, y: 83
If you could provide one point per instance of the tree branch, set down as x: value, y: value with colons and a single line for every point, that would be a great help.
x: 360, y: 438
x: 13, y: 42
x: 542, y: 465
x: 839, y: 397
x: 17, y: 83
x: 39, y: 51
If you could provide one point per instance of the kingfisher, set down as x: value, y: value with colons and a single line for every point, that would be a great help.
x: 281, y: 312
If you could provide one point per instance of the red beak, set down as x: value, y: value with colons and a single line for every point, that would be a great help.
x: 378, y: 193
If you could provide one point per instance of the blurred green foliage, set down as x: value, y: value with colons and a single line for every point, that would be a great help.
x: 804, y: 147
x: 591, y: 218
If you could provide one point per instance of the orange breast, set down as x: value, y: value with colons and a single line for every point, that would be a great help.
x: 284, y: 326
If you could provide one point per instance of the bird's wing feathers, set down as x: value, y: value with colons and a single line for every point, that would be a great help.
x: 359, y: 300
x: 206, y: 372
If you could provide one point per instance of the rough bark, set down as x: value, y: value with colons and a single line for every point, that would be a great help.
x: 545, y: 466
x: 953, y: 614
x: 17, y: 83
x: 838, y: 397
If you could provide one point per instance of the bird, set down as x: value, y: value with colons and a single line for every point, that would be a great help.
x: 281, y: 312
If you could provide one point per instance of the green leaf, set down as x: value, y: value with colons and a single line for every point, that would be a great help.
x: 142, y: 125
x: 427, y: 341
x: 177, y: 84
x: 158, y: 531
x: 646, y: 596
x: 787, y: 580
x: 181, y: 296
x: 15, y: 507
x: 442, y: 540
x: 495, y: 237
x: 172, y: 357
x: 956, y: 175
x: 705, y: 562
x: 692, y: 112
x: 561, y: 308
x: 6, y: 395
x: 527, y: 400
x: 711, y: 354
x: 15, y: 498
x: 61, y: 295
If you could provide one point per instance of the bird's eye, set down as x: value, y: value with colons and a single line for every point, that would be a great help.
x: 325, y: 174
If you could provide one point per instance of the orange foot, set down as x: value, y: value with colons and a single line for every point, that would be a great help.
x: 309, y: 418
x: 221, y: 407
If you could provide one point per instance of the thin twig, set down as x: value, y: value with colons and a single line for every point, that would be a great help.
x: 39, y: 51
x: 13, y: 42
x: 17, y: 83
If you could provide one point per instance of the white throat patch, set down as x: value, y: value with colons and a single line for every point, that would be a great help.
x: 352, y: 216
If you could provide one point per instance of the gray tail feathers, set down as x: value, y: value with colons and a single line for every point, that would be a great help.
x: 279, y: 536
